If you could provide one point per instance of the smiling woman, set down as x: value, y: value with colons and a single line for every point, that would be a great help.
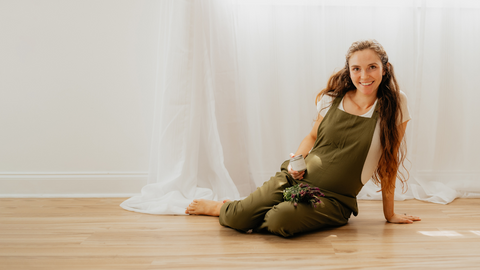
x: 366, y: 71
x: 337, y: 150
x: 368, y: 77
x: 236, y: 81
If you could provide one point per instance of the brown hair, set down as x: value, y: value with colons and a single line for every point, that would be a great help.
x: 388, y: 94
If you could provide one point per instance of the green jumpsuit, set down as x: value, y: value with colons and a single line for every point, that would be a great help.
x: 334, y: 165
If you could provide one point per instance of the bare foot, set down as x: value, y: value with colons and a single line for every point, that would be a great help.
x: 204, y: 207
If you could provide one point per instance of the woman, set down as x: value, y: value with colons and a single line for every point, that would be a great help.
x: 362, y: 119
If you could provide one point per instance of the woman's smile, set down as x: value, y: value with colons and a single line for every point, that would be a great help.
x: 366, y: 71
x: 366, y: 83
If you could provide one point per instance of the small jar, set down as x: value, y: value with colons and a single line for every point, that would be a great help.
x: 298, y: 163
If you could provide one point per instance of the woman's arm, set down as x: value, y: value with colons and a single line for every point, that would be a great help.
x: 390, y: 215
x: 309, y: 140
x: 305, y: 147
x: 388, y: 199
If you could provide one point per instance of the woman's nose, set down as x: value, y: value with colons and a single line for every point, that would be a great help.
x: 363, y: 75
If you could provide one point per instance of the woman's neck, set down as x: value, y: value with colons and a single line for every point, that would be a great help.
x: 356, y: 103
x: 363, y: 102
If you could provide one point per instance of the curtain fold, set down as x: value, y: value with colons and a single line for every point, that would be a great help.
x: 187, y: 156
x: 237, y: 82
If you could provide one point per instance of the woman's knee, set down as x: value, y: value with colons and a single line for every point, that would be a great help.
x: 282, y: 219
x: 286, y: 220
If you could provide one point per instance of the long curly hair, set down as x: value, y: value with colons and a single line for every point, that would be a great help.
x: 388, y: 95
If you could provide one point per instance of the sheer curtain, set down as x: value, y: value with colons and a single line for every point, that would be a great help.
x: 237, y: 81
x: 187, y: 156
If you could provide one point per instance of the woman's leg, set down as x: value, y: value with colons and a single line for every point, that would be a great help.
x: 286, y: 220
x: 249, y: 213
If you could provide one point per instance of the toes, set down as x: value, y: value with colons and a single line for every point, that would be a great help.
x: 191, y: 208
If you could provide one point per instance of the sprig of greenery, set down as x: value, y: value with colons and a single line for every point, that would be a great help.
x: 303, y: 193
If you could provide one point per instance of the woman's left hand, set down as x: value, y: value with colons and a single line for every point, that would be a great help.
x: 403, y: 219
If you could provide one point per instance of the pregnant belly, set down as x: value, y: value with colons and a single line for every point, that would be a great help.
x: 327, y: 173
x: 320, y: 159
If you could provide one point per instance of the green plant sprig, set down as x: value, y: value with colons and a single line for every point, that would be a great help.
x: 303, y: 193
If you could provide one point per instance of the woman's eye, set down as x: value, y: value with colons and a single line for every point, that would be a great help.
x: 373, y: 67
x: 355, y: 69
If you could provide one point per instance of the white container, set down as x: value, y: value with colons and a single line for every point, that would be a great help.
x: 298, y: 163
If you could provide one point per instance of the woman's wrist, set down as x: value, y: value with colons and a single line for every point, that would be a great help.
x: 389, y: 216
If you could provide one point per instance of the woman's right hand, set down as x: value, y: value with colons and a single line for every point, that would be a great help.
x: 296, y: 175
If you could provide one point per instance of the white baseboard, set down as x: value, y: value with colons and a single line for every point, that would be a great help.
x: 71, y: 184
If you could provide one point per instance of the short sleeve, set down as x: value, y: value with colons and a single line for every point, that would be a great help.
x: 324, y: 104
x: 404, y: 105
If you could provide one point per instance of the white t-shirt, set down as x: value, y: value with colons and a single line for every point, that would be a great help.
x: 375, y: 151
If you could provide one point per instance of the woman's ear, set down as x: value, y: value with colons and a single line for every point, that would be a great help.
x: 387, y: 66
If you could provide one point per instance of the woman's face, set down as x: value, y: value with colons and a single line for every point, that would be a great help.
x: 366, y: 71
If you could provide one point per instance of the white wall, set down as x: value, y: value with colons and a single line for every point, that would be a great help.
x: 77, y: 85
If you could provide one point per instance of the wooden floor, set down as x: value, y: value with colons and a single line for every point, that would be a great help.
x: 98, y: 234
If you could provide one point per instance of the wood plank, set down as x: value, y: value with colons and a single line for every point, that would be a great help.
x: 95, y: 233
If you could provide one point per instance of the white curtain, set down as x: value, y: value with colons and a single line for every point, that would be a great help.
x: 237, y: 81
x: 187, y: 156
